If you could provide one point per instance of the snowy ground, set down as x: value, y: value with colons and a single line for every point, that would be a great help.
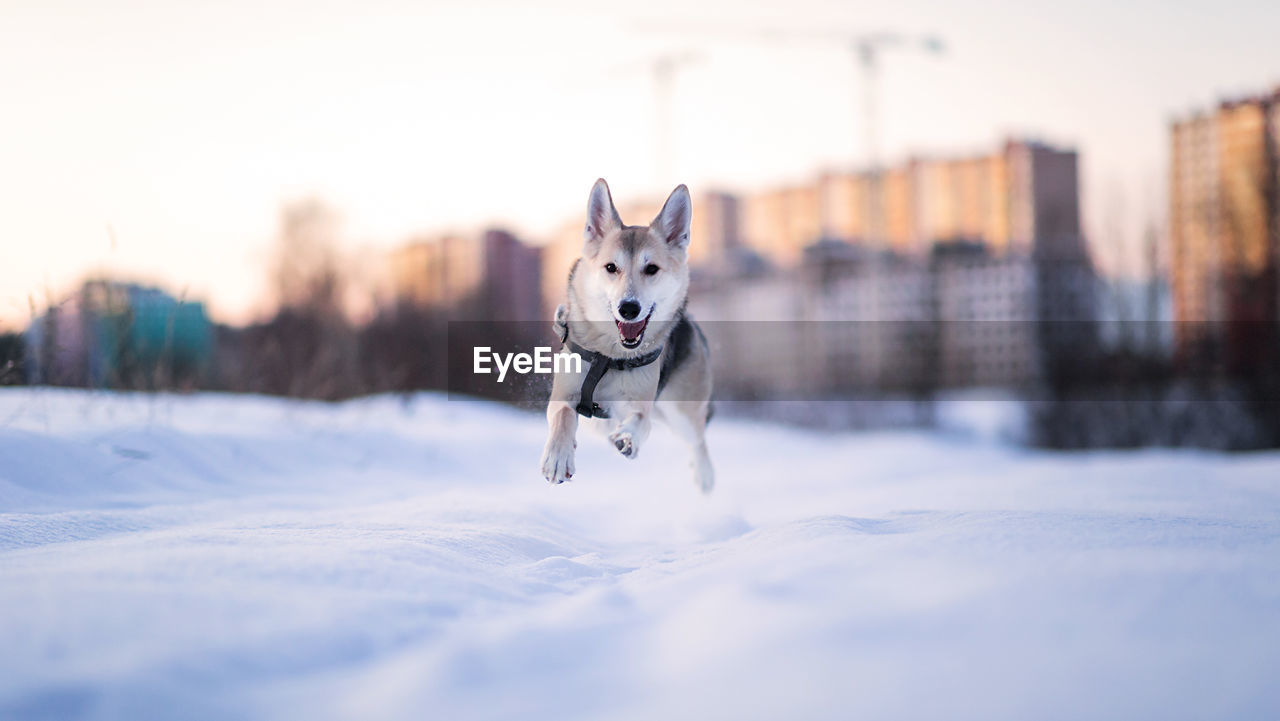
x: 224, y: 557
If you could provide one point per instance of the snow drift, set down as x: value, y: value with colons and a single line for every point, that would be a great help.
x: 239, y: 557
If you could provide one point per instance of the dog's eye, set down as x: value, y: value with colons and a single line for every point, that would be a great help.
x: 650, y: 269
x: 610, y: 268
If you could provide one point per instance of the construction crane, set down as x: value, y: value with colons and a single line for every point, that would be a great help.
x: 663, y: 68
x: 866, y: 47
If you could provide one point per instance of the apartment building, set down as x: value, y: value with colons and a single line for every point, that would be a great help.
x: 940, y: 272
x: 490, y: 275
x: 1022, y: 198
x: 1224, y: 224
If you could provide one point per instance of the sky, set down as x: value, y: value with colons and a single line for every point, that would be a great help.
x: 158, y: 140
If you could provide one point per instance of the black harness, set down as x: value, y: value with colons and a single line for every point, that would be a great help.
x: 677, y: 344
x: 599, y: 364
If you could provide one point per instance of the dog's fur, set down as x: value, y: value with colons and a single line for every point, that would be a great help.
x: 593, y: 315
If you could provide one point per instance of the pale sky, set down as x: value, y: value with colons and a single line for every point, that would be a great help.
x: 179, y: 128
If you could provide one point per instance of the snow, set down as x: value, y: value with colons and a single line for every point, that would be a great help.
x: 217, y: 557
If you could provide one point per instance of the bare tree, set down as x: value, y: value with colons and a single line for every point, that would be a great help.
x: 309, y: 348
x: 305, y: 269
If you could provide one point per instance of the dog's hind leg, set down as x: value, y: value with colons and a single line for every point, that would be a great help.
x: 703, y: 473
x: 689, y: 421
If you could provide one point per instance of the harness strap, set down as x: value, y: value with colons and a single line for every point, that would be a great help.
x: 599, y: 364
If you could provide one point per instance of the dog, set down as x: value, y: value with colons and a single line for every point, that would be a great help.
x: 642, y: 355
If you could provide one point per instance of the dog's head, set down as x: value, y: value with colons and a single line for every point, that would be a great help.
x: 635, y: 275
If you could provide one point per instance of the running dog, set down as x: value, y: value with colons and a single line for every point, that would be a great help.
x: 642, y: 355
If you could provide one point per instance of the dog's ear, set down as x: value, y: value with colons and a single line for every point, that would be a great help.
x: 602, y: 218
x: 672, y: 224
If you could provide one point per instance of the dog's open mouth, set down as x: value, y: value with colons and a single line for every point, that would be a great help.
x: 632, y: 332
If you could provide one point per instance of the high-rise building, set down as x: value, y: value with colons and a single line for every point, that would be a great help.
x: 486, y: 276
x: 1023, y: 198
x: 779, y: 223
x: 940, y: 272
x: 558, y: 253
x: 1043, y: 189
x: 437, y: 271
x: 899, y: 197
x: 715, y: 228
x: 845, y: 198
x: 1224, y: 225
x: 512, y: 273
x: 855, y: 320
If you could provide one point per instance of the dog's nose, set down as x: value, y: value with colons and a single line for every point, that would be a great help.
x: 629, y: 309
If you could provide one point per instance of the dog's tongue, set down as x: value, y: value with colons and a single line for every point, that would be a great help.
x: 632, y: 331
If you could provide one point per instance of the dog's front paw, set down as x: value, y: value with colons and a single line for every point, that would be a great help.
x: 557, y: 462
x: 625, y: 443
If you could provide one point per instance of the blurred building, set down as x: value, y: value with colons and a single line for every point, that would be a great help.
x: 877, y: 319
x: 897, y: 209
x: 1043, y: 205
x: 512, y: 279
x: 990, y: 308
x: 861, y: 321
x: 947, y: 272
x: 845, y: 198
x: 1225, y: 224
x: 437, y: 272
x: 939, y: 272
x: 119, y: 335
x: 487, y: 276
x: 716, y: 228
x: 780, y: 223
x: 562, y: 248
x: 1023, y: 198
